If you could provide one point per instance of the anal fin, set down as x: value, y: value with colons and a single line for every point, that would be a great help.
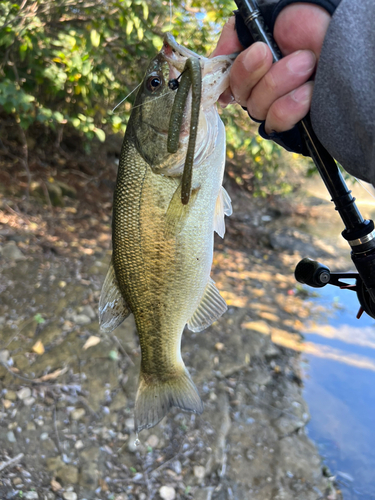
x: 112, y: 306
x: 210, y: 308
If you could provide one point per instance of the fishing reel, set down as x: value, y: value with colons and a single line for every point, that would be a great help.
x: 317, y: 275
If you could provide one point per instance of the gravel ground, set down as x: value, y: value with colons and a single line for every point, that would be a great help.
x: 67, y: 392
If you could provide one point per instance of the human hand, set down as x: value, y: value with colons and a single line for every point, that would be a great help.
x: 278, y: 93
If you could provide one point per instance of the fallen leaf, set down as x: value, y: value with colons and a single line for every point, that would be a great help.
x: 55, y: 485
x: 53, y: 375
x: 91, y: 341
x: 7, y: 403
x: 38, y: 347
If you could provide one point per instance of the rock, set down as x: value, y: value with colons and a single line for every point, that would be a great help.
x: 55, y: 485
x: 17, y: 480
x: 55, y: 194
x: 90, y: 454
x: 44, y: 436
x: 119, y: 402
x: 152, y: 441
x: 29, y: 401
x: 129, y: 423
x: 64, y: 473
x: 78, y: 414
x: 79, y: 445
x: 271, y: 351
x: 177, y: 467
x: 88, y: 311
x: 89, y: 476
x: 31, y: 495
x: 292, y: 240
x: 4, y: 356
x: 167, y: 493
x: 132, y: 443
x: 54, y: 463
x: 11, y: 437
x: 66, y: 190
x: 68, y: 474
x: 70, y: 495
x: 205, y: 494
x: 24, y: 393
x: 11, y: 252
x: 30, y: 426
x: 11, y: 395
x: 80, y: 319
x: 7, y: 404
x: 199, y: 471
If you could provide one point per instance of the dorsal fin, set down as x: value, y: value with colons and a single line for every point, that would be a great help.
x: 211, y: 307
x: 112, y: 306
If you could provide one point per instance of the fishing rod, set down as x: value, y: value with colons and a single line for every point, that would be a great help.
x: 358, y: 232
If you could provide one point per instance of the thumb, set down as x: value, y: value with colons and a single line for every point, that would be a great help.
x: 228, y: 42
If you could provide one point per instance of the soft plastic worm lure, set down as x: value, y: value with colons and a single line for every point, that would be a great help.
x: 191, y: 77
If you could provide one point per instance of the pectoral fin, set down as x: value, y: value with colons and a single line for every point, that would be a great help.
x: 223, y: 207
x: 177, y: 212
x: 211, y: 307
x: 112, y: 306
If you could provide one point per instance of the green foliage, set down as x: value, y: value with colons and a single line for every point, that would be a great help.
x: 39, y: 319
x: 69, y: 62
x: 264, y: 160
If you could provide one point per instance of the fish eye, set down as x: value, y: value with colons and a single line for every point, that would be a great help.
x: 153, y: 83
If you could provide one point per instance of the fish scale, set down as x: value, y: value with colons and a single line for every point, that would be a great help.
x: 163, y: 250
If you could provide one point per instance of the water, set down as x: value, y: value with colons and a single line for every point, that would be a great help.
x: 340, y: 369
x: 340, y: 391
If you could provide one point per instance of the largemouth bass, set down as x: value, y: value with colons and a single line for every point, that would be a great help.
x: 162, y: 249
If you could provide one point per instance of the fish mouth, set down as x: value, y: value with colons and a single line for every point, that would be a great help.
x: 215, y: 70
x: 176, y: 54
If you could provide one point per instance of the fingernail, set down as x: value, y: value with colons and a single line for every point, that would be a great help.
x: 224, y: 101
x: 302, y: 94
x: 301, y: 62
x: 250, y: 63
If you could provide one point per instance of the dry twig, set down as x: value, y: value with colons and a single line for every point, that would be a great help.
x: 11, y: 461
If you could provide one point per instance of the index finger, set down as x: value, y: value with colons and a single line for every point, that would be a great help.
x: 228, y: 42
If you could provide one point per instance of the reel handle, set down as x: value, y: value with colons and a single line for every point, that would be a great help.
x: 312, y: 273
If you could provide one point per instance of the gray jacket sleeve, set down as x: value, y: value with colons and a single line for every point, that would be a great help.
x: 343, y: 106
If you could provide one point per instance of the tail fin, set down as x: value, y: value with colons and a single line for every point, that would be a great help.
x: 155, y: 398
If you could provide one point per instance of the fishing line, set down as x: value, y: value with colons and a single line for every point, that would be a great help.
x: 367, y: 187
x: 170, y: 15
x: 124, y: 99
x: 154, y: 99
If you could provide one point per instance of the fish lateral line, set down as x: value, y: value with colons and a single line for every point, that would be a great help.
x: 191, y: 77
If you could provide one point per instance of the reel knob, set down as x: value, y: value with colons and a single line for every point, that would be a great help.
x: 312, y: 273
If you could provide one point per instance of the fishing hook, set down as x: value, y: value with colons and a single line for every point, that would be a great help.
x: 173, y: 84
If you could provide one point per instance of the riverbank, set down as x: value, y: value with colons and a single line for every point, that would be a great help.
x: 67, y: 391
